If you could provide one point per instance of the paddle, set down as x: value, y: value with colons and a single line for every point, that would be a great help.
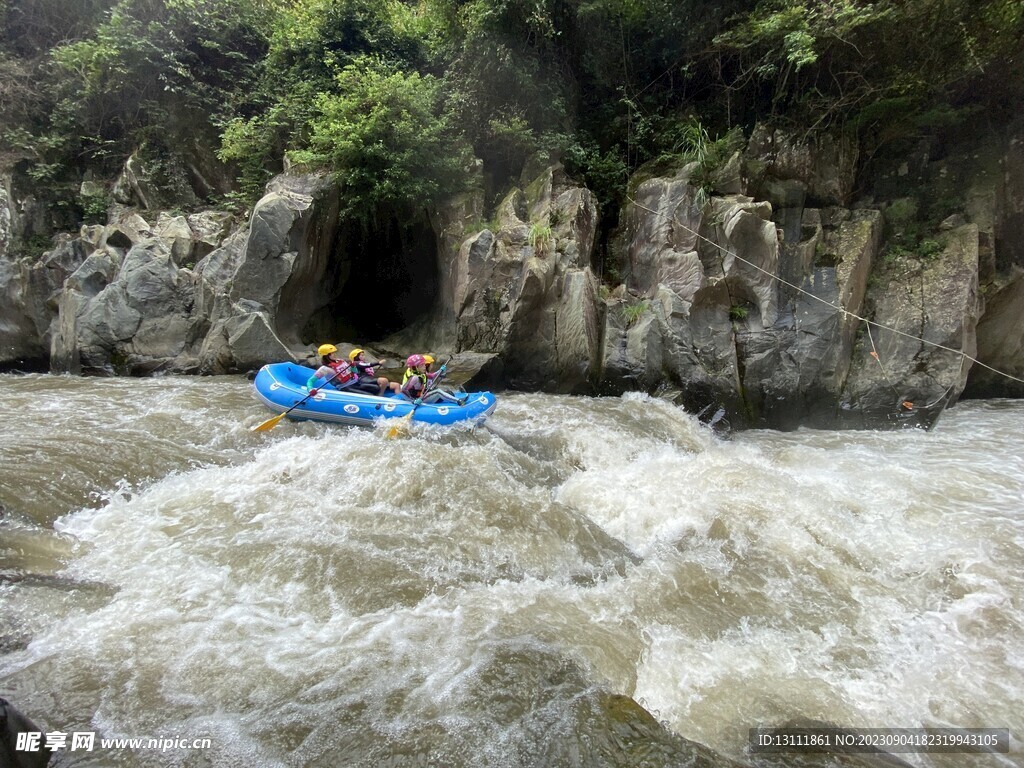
x: 269, y: 424
x: 402, y: 422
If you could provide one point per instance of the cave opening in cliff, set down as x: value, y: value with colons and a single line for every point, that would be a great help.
x: 387, y: 279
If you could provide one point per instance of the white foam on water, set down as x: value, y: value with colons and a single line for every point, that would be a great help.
x: 321, y: 586
x: 226, y: 600
x: 887, y: 594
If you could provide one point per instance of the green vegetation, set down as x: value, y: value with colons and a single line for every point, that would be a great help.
x: 540, y: 238
x: 386, y: 138
x: 929, y: 248
x: 94, y: 208
x: 812, y: 63
x: 631, y: 313
x: 395, y: 97
x: 906, y: 233
x: 926, y: 249
x: 691, y: 142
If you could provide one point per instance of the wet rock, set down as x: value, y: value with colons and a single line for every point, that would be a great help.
x: 825, y: 165
x: 13, y: 722
x: 794, y: 372
x: 1000, y: 340
x: 619, y: 732
x: 559, y: 718
x: 898, y: 379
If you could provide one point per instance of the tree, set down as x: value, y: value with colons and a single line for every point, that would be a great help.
x: 386, y: 136
x: 873, y: 64
x: 153, y: 61
x: 311, y: 43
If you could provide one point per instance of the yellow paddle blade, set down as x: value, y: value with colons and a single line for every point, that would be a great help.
x: 268, y: 425
x: 401, y: 424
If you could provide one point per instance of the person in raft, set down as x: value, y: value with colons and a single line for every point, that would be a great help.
x: 417, y: 380
x: 331, y: 370
x: 368, y: 381
x: 457, y: 397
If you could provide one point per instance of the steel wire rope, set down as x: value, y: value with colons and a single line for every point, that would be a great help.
x: 845, y: 312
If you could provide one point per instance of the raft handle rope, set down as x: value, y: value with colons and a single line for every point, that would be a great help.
x: 846, y: 313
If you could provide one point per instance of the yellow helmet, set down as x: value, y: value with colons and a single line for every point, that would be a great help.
x: 326, y: 349
x: 428, y: 359
x: 354, y: 354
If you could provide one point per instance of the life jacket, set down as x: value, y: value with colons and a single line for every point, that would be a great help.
x: 344, y: 371
x: 409, y: 373
x: 409, y: 388
x: 365, y: 369
x: 321, y: 377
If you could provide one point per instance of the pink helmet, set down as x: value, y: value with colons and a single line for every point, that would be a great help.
x: 415, y: 361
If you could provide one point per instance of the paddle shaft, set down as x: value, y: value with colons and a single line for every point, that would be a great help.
x: 432, y: 384
x: 272, y: 422
x: 393, y: 432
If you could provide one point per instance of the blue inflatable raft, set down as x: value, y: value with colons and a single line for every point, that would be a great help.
x: 280, y: 386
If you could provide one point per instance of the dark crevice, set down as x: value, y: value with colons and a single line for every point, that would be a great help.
x: 385, y: 278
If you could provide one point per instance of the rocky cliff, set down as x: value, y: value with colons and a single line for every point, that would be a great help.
x: 774, y: 301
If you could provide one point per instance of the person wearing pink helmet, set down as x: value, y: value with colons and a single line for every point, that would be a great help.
x: 415, y: 380
x: 418, y: 379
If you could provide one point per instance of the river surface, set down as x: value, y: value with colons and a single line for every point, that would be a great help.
x: 322, y: 595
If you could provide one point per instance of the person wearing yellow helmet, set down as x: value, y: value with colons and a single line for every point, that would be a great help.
x: 332, y: 370
x: 368, y: 380
x: 420, y: 384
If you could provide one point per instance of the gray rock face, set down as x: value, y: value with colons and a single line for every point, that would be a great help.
x: 135, y: 305
x: 31, y: 292
x: 661, y: 235
x: 287, y: 252
x: 527, y: 291
x: 744, y: 227
x: 906, y: 379
x: 1000, y: 340
x: 672, y: 327
x: 772, y: 337
x: 6, y: 215
x: 20, y: 340
x: 258, y: 289
x: 748, y: 304
x: 825, y: 166
x: 127, y: 315
x: 769, y: 353
x: 793, y: 372
x: 181, y: 182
